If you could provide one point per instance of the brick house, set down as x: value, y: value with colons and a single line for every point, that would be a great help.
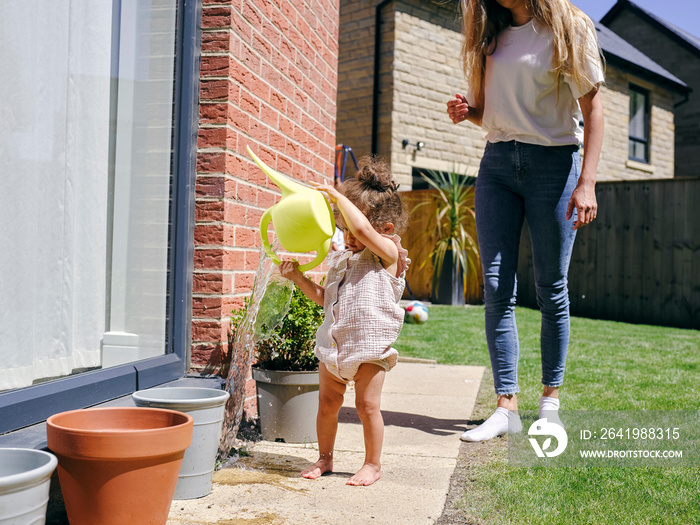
x: 418, y: 70
x: 127, y: 264
x: 679, y: 53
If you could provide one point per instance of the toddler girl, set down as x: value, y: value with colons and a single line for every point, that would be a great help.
x: 362, y: 313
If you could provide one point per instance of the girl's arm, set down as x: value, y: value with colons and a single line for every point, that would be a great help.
x: 583, y: 198
x: 313, y: 291
x: 459, y: 110
x: 363, y: 230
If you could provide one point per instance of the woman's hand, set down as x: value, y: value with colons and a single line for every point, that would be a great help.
x: 458, y: 109
x: 584, y: 202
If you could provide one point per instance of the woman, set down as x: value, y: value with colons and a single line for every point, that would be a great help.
x: 533, y: 69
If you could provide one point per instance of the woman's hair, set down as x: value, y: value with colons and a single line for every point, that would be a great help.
x: 484, y: 20
x: 376, y: 195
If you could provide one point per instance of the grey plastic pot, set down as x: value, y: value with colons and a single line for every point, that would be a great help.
x: 287, y: 405
x: 206, y: 406
x: 25, y: 477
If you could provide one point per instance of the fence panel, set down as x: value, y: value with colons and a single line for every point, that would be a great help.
x: 639, y: 261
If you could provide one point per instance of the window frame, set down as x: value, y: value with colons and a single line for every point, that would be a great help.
x: 647, y: 126
x: 27, y: 406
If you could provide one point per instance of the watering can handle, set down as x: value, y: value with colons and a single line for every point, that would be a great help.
x: 321, y: 253
x: 264, y: 222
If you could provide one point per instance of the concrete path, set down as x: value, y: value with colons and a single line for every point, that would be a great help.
x: 425, y: 407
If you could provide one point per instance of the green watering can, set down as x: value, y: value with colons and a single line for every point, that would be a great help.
x: 303, y: 218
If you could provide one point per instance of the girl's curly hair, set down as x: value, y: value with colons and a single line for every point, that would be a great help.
x: 376, y: 195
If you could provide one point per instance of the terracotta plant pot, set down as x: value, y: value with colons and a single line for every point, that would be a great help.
x: 25, y: 476
x: 118, y: 465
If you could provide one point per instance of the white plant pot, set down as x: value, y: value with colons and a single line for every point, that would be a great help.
x: 287, y: 405
x: 25, y: 477
x: 206, y: 406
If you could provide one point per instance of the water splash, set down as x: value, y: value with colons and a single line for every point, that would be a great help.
x: 266, y: 309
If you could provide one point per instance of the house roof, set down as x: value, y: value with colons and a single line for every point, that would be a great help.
x: 623, y: 54
x: 680, y: 36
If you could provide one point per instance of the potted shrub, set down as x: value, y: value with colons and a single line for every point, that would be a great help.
x: 451, y: 232
x: 286, y: 370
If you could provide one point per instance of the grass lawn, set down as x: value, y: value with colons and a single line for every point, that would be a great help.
x: 610, y: 366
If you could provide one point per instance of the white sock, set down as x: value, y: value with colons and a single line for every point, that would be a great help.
x: 500, y: 422
x: 549, y: 408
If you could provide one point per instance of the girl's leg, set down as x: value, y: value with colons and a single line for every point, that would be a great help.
x: 369, y: 381
x: 330, y: 399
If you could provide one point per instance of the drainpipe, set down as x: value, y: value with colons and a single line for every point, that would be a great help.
x: 375, y: 87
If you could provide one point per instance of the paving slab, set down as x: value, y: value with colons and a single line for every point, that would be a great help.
x: 425, y: 407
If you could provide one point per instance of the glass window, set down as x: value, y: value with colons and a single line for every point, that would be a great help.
x: 639, y: 124
x: 86, y: 104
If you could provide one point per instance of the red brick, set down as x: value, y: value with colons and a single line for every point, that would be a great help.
x: 217, y: 89
x: 209, y: 331
x: 246, y: 237
x: 209, y: 258
x: 211, y: 162
x: 208, y: 283
x: 209, y: 234
x: 216, y: 17
x: 251, y: 15
x: 250, y: 104
x: 209, y: 210
x: 214, y: 66
x: 243, y: 282
x: 253, y: 217
x: 234, y: 260
x: 235, y: 213
x: 215, y: 41
x: 211, y: 137
x: 207, y: 306
x: 212, y: 113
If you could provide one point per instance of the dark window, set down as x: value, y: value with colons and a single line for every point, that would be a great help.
x: 418, y: 183
x: 639, y: 125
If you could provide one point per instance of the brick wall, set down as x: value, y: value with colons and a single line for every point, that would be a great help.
x: 421, y: 70
x: 685, y: 65
x: 268, y: 80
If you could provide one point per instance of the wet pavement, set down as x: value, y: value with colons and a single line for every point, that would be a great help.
x: 425, y: 407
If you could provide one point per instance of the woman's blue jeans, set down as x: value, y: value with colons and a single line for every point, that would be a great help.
x: 517, y: 181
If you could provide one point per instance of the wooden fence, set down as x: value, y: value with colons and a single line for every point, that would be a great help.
x: 639, y: 262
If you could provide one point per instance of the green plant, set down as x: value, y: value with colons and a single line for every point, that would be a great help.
x: 452, y: 227
x: 290, y: 344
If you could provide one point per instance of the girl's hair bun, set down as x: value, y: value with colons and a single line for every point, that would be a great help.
x: 375, y: 193
x: 375, y: 175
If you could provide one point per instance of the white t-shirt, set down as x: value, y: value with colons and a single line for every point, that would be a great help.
x: 521, y: 90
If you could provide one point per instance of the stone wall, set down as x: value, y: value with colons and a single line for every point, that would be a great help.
x: 614, y: 159
x: 683, y: 61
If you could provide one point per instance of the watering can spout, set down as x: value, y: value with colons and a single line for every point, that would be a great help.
x: 303, y: 218
x: 286, y: 185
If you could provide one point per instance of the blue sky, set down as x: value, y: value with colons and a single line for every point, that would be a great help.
x: 682, y: 13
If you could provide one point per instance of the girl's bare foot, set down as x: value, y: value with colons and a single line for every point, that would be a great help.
x: 367, y: 475
x: 323, y: 465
